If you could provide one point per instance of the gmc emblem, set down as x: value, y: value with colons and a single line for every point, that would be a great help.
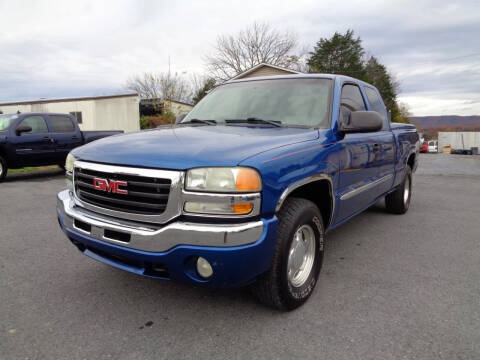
x: 112, y: 186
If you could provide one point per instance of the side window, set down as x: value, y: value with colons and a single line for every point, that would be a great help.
x: 78, y: 116
x: 352, y: 100
x: 61, y: 123
x: 37, y: 123
x: 376, y: 104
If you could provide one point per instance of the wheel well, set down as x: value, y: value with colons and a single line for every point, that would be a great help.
x: 319, y: 192
x: 411, y: 160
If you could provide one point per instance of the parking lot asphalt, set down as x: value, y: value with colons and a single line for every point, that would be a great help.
x: 392, y: 287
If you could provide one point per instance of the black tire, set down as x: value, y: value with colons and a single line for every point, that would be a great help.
x: 274, y: 287
x: 3, y: 169
x: 397, y: 202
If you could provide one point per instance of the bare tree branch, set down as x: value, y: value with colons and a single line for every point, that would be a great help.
x: 161, y: 86
x: 259, y: 43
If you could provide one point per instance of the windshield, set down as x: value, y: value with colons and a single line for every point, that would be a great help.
x: 290, y: 102
x: 6, y: 120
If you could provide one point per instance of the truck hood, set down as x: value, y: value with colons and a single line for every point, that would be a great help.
x: 182, y: 147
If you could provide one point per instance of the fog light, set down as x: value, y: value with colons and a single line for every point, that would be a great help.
x: 204, y: 268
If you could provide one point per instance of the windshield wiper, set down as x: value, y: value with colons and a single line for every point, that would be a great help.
x: 255, y: 120
x: 199, y: 121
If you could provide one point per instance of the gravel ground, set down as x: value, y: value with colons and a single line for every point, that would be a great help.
x: 392, y: 287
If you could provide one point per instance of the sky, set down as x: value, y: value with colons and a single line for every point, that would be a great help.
x: 82, y: 48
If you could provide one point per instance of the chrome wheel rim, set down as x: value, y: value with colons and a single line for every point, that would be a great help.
x: 301, y: 255
x: 1, y: 169
x: 406, y: 190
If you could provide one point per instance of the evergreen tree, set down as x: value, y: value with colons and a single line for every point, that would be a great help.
x: 344, y: 55
x: 208, y: 85
x: 378, y: 76
x: 341, y: 54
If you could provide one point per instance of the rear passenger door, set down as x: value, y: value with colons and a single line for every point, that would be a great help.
x: 66, y: 136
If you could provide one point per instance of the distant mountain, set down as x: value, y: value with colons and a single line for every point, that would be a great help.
x: 433, y: 122
x: 431, y: 125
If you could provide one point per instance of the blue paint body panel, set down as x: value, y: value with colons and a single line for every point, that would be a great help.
x: 283, y: 156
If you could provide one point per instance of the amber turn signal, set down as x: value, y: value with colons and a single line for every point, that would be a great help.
x: 248, y: 180
x: 245, y: 208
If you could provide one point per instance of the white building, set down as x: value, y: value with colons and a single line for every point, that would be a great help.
x: 461, y: 140
x: 111, y: 112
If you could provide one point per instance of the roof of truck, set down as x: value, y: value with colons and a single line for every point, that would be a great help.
x: 301, y: 76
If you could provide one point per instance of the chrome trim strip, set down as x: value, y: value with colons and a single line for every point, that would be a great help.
x: 160, y: 239
x: 174, y: 204
x: 365, y: 187
x: 306, y: 181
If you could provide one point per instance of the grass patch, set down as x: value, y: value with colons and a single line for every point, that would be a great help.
x: 32, y: 169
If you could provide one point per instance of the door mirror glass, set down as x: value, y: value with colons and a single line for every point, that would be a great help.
x: 361, y: 122
x: 22, y: 129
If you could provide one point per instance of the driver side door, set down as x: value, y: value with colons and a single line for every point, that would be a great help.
x: 357, y: 164
x: 36, y: 147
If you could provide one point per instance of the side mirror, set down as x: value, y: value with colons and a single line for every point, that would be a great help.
x: 361, y: 122
x: 180, y: 118
x: 23, y: 128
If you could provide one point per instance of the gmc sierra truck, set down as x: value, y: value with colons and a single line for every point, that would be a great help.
x: 37, y: 139
x: 243, y: 189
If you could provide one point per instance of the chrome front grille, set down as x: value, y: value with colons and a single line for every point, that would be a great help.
x: 144, y: 195
x: 148, y: 195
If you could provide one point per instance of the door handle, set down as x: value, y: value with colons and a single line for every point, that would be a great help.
x: 74, y: 137
x: 376, y: 147
x: 48, y: 138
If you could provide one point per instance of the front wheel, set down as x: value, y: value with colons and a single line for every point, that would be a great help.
x: 297, y: 259
x: 398, y: 201
x: 3, y: 169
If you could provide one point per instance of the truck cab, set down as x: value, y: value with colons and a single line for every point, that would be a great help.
x: 244, y: 189
x: 37, y: 139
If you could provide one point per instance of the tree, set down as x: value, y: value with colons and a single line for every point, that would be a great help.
x: 403, y: 114
x: 202, y: 88
x: 341, y: 54
x: 378, y: 76
x: 258, y: 43
x: 160, y: 86
x: 344, y: 55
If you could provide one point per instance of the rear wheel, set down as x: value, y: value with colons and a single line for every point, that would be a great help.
x: 297, y: 259
x: 398, y: 201
x: 3, y: 169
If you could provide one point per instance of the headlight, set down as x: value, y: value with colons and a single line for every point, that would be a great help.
x: 225, y: 191
x: 69, y: 163
x: 223, y: 180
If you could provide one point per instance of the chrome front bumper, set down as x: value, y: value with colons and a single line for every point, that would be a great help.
x: 155, y: 238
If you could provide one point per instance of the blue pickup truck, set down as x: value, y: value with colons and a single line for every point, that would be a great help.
x: 37, y: 139
x: 243, y: 189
